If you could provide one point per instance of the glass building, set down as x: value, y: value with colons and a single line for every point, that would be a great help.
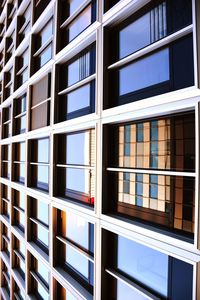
x: 99, y: 149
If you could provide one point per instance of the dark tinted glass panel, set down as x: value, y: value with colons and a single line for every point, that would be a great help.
x: 148, y: 71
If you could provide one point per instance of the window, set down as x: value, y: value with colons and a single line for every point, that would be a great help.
x: 75, y: 170
x: 19, y: 156
x: 5, y: 201
x: 39, y: 278
x: 1, y: 92
x: 1, y: 59
x: 6, y: 161
x: 165, y: 145
x: 10, y: 46
x: 5, y: 278
x: 2, y: 28
x: 39, y: 164
x: 22, y: 68
x: 63, y: 293
x: 7, y: 130
x: 8, y: 83
x: 40, y: 103
x: 5, y: 240
x: 75, y: 241
x: 18, y: 206
x: 11, y: 11
x: 18, y: 294
x: 76, y: 85
x: 24, y: 24
x: 19, y: 257
x: 43, y: 47
x: 74, y: 18
x: 39, y: 7
x: 19, y: 114
x: 39, y: 223
x: 157, y: 71
x: 138, y: 271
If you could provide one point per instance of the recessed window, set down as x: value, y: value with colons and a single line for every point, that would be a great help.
x: 2, y: 28
x: 19, y: 257
x: 11, y: 11
x: 39, y: 164
x: 75, y: 239
x: 5, y: 201
x: 39, y: 223
x: 75, y: 170
x: 76, y: 86
x: 7, y: 130
x: 19, y: 157
x: 161, y: 197
x: 5, y: 279
x: 40, y: 103
x: 19, y: 115
x: 39, y: 279
x: 74, y: 18
x: 63, y: 293
x: 18, y: 207
x: 1, y: 59
x: 43, y: 46
x: 22, y: 69
x: 18, y: 294
x: 8, y: 83
x: 140, y: 272
x: 24, y: 24
x: 155, y: 72
x: 6, y: 161
x: 10, y: 46
x: 5, y: 240
x: 109, y: 3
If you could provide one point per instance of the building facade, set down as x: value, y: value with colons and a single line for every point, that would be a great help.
x: 99, y: 149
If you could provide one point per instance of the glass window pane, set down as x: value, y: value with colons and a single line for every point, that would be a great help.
x: 77, y: 261
x: 146, y: 265
x: 43, y: 235
x: 46, y: 55
x: 73, y: 5
x: 78, y: 99
x: 47, y: 32
x: 43, y: 212
x: 78, y: 180
x: 79, y: 141
x: 80, y: 23
x: 125, y: 292
x: 145, y: 72
x: 43, y: 150
x: 43, y: 271
x: 43, y: 174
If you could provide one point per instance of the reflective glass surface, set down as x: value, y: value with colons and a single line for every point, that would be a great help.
x: 78, y: 99
x: 146, y: 265
x: 43, y: 235
x: 80, y: 23
x: 43, y: 150
x: 43, y: 293
x: 73, y: 5
x: 46, y: 55
x: 79, y: 141
x: 78, y: 180
x: 125, y: 292
x: 43, y: 271
x: 47, y: 32
x: 145, y: 72
x: 77, y: 261
x: 43, y: 212
x: 42, y: 174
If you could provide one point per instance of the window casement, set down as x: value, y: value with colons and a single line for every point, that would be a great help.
x: 40, y: 103
x: 76, y: 86
x: 18, y: 210
x: 5, y: 280
x: 75, y: 178
x: 5, y: 201
x: 39, y: 164
x: 134, y: 69
x: 5, y: 240
x: 39, y: 278
x: 18, y: 258
x: 9, y: 46
x: 8, y: 83
x: 24, y: 25
x: 73, y: 18
x: 11, y: 11
x: 150, y: 175
x: 6, y: 161
x: 2, y: 28
x: 75, y: 243
x: 142, y: 272
x: 38, y: 223
x: 22, y: 68
x: 109, y: 4
x: 42, y: 47
x: 19, y: 157
x: 19, y: 115
x: 39, y: 7
x: 6, y: 122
